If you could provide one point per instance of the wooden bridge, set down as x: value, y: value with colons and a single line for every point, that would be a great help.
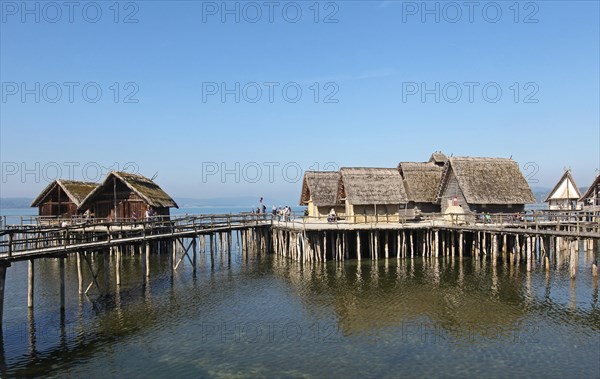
x: 48, y: 238
x: 500, y: 238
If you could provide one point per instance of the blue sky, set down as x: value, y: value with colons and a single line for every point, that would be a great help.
x: 380, y: 82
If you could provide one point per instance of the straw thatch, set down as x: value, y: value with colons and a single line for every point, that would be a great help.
x: 566, y: 191
x: 590, y: 193
x: 438, y: 158
x: 421, y: 180
x: 76, y: 191
x: 145, y: 188
x: 367, y: 186
x: 321, y: 186
x: 487, y: 180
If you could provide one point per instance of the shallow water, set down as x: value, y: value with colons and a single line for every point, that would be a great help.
x: 270, y: 317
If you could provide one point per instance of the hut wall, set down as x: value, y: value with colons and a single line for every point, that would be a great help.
x: 127, y: 202
x: 57, y: 203
x: 323, y: 211
x: 366, y: 213
x: 452, y: 189
x: 427, y: 207
x: 562, y: 204
x: 64, y: 209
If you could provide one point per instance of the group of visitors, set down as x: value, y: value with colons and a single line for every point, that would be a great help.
x: 486, y: 217
x: 284, y: 214
x: 278, y: 213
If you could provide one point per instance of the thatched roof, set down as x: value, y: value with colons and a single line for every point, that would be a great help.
x: 321, y: 186
x: 145, y: 188
x: 365, y: 186
x: 75, y: 190
x: 565, y: 189
x: 488, y: 180
x: 421, y: 180
x: 438, y: 158
x: 590, y: 189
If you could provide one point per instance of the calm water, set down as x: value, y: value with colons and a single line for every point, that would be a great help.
x: 269, y: 317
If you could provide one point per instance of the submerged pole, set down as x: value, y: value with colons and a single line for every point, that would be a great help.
x: 30, y: 284
x: 147, y: 259
x: 117, y: 267
x: 80, y: 272
x: 3, y: 267
x: 61, y: 261
x: 194, y: 258
x: 358, y: 245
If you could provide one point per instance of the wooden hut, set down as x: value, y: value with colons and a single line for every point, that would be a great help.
x: 565, y: 194
x: 421, y: 182
x: 123, y: 193
x: 319, y: 190
x: 366, y: 192
x: 591, y: 197
x: 494, y: 185
x: 62, y: 197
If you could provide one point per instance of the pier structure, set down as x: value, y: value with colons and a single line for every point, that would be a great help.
x: 550, y: 240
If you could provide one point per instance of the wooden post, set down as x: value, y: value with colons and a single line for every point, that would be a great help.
x: 194, y: 258
x: 212, y: 251
x: 398, y: 245
x: 573, y: 259
x: 324, y: 246
x: 504, y: 248
x: 387, y: 245
x: 147, y: 259
x: 443, y: 243
x: 371, y: 244
x: 118, y: 255
x: 358, y: 245
x: 494, y: 249
x: 3, y: 267
x: 436, y: 239
x: 376, y: 242
x: 30, y: 286
x: 460, y: 245
x: 105, y: 268
x: 61, y: 261
x: 80, y: 272
x: 528, y: 243
x: 228, y: 247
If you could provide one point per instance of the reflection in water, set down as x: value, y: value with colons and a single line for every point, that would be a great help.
x: 256, y: 315
x: 32, y: 349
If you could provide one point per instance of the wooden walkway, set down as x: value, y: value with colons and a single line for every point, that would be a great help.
x: 548, y: 228
x: 26, y: 242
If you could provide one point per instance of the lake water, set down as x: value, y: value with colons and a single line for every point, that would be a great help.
x: 264, y: 316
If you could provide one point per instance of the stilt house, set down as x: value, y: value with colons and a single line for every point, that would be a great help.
x: 565, y: 194
x: 62, y: 197
x: 494, y: 185
x: 366, y: 192
x: 421, y: 182
x: 123, y: 193
x: 319, y: 190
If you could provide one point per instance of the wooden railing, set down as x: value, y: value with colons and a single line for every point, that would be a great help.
x: 52, y: 234
x: 37, y: 237
x: 575, y: 220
